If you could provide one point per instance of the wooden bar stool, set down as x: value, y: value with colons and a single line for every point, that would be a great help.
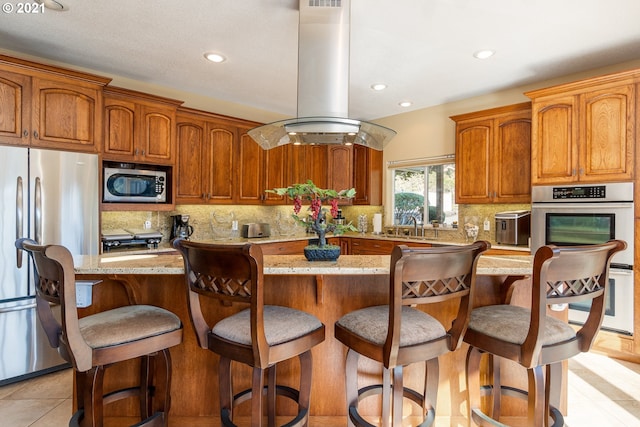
x: 398, y: 334
x: 94, y: 342
x: 536, y: 341
x: 259, y: 336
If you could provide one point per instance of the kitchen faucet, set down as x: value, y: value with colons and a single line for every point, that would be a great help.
x: 415, y: 225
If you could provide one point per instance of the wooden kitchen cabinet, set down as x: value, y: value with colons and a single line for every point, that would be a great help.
x: 308, y: 162
x: 367, y: 175
x: 493, y: 152
x: 585, y: 131
x: 217, y: 162
x: 275, y: 174
x: 250, y: 170
x: 291, y: 247
x: 50, y: 107
x: 340, y: 169
x: 139, y: 127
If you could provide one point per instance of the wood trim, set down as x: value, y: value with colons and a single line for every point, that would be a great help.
x: 32, y: 67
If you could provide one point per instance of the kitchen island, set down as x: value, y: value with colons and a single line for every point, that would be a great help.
x: 326, y: 289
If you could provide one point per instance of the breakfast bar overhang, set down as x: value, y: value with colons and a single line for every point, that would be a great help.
x: 327, y: 290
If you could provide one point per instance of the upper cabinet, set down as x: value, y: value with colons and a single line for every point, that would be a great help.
x: 50, y: 107
x: 139, y: 127
x: 217, y: 162
x: 585, y: 131
x: 493, y: 155
x: 367, y: 175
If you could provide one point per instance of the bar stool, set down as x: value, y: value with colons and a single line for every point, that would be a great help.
x: 259, y: 336
x: 536, y: 341
x: 398, y: 334
x: 94, y: 342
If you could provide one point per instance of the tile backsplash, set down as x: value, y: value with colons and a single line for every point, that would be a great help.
x: 279, y: 217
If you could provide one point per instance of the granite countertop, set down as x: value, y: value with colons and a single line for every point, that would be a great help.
x: 171, y: 263
x: 164, y: 247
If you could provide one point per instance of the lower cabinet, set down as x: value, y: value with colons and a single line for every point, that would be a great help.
x: 379, y: 246
x: 290, y: 247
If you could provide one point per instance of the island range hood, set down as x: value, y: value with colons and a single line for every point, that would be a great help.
x: 323, y: 85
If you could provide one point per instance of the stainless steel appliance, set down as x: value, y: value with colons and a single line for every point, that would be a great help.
x: 51, y: 197
x: 131, y: 183
x: 513, y: 227
x: 594, y: 213
x: 130, y: 239
x: 256, y: 229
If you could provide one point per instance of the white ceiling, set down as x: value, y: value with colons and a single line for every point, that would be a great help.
x: 422, y: 49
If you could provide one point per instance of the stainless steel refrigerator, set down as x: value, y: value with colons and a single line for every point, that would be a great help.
x: 51, y: 197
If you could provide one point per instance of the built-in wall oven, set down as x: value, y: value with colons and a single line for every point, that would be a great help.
x: 586, y: 214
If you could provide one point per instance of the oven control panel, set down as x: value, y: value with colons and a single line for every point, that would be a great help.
x: 591, y: 192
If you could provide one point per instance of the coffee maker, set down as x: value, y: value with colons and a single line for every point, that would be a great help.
x: 181, y: 227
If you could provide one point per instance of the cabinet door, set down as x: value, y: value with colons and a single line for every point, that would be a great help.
x: 511, y: 159
x: 275, y: 173
x: 220, y: 162
x: 157, y: 134
x: 308, y: 162
x: 607, y: 134
x: 554, y: 136
x: 340, y: 169
x: 190, y: 177
x: 367, y: 175
x: 250, y: 170
x: 66, y: 116
x: 119, y: 119
x: 15, y: 93
x: 473, y: 144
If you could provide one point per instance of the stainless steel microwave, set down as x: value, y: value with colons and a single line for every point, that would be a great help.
x: 130, y: 183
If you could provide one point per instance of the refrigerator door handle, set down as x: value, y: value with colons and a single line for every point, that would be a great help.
x: 38, y: 212
x: 19, y: 218
x: 18, y: 308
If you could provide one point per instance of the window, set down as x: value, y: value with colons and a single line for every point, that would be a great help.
x: 427, y: 187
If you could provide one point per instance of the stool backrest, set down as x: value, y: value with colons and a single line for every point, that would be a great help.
x: 567, y: 274
x: 230, y: 273
x: 432, y: 275
x: 55, y: 284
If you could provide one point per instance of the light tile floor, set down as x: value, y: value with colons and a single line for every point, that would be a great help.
x: 602, y: 392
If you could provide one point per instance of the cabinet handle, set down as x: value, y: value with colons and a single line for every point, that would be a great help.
x: 25, y: 133
x: 135, y: 151
x: 573, y: 172
x: 581, y: 171
x: 35, y: 134
x: 143, y: 152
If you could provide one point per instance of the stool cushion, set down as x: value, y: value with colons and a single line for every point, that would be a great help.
x: 281, y: 324
x: 511, y: 324
x: 371, y: 324
x: 126, y: 324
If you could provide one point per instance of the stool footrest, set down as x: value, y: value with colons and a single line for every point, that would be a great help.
x: 376, y: 389
x: 480, y: 417
x: 281, y: 390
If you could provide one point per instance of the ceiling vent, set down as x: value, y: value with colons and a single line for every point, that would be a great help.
x: 323, y: 85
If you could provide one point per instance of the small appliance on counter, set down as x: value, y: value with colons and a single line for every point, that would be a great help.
x: 255, y: 229
x: 180, y: 227
x: 513, y: 227
x: 130, y: 239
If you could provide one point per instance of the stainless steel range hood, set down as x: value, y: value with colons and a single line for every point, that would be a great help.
x: 323, y: 85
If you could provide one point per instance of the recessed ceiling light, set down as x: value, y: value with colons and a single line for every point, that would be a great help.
x: 405, y: 104
x: 378, y: 86
x: 214, y: 57
x: 484, y: 54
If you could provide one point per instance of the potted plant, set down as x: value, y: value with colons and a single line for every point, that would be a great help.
x: 317, y: 220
